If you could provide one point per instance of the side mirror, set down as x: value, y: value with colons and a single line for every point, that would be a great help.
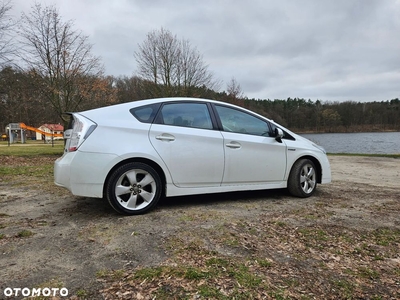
x: 278, y: 135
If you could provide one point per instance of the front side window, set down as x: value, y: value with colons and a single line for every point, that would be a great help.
x: 195, y: 115
x: 234, y: 120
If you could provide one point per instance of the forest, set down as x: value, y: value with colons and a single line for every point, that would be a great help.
x: 52, y: 70
x: 22, y: 100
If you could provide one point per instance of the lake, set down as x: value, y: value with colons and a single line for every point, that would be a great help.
x: 364, y: 142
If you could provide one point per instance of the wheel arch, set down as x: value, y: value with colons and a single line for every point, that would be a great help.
x: 316, y: 162
x: 147, y: 161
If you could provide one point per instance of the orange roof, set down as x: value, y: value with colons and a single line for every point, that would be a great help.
x: 53, y: 127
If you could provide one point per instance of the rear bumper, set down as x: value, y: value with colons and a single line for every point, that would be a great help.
x: 83, y: 173
x: 62, y: 171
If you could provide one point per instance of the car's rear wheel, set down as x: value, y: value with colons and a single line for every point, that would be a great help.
x: 133, y: 188
x: 302, y: 180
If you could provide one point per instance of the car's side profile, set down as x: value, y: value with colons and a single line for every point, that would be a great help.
x: 134, y: 153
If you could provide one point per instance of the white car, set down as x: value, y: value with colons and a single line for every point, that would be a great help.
x: 134, y: 153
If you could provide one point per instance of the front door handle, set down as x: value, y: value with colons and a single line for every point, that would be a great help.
x: 165, y: 137
x: 233, y: 145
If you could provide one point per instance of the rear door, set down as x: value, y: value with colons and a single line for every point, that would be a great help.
x: 183, y: 135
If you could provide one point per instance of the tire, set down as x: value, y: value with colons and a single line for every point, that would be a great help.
x: 302, y: 180
x: 133, y: 188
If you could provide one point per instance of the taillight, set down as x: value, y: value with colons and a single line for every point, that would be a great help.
x: 81, y: 129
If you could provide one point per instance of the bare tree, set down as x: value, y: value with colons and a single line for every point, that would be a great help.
x: 7, y: 47
x: 234, y: 90
x: 61, y: 56
x: 172, y: 64
x: 191, y: 70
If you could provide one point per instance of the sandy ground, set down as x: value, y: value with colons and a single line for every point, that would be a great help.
x: 75, y: 239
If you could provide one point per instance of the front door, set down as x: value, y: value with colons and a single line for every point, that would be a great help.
x: 252, y: 154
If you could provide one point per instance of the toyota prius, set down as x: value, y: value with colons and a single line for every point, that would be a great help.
x: 134, y: 153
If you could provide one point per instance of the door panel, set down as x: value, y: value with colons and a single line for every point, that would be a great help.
x: 252, y: 154
x: 194, y: 157
x: 185, y: 140
x: 253, y: 159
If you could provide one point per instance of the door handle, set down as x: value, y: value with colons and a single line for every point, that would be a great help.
x: 233, y: 145
x: 165, y: 137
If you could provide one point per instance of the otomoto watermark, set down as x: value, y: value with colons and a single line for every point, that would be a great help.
x: 35, y: 292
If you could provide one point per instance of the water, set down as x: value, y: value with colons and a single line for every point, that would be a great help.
x: 365, y: 142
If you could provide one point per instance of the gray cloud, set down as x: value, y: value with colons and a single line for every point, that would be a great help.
x: 327, y: 50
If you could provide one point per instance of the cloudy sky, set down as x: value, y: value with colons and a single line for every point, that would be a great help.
x: 332, y: 50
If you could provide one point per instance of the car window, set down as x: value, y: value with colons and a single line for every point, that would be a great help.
x: 145, y: 113
x: 234, y: 120
x: 194, y: 115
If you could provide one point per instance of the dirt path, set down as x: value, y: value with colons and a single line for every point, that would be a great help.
x: 51, y: 239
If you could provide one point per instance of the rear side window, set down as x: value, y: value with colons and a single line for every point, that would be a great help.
x: 145, y: 114
x: 195, y: 115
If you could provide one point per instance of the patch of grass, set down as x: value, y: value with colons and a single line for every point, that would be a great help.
x: 314, y: 234
x: 199, y: 279
x: 264, y: 263
x: 280, y: 223
x: 148, y: 273
x: 31, y: 163
x: 232, y: 241
x: 199, y: 270
x: 244, y: 276
x: 33, y: 149
x: 2, y: 236
x: 311, y: 217
x: 292, y: 282
x: 110, y: 274
x: 117, y: 274
x: 278, y: 295
x: 345, y: 287
x: 25, y: 233
x: 167, y: 291
x: 34, y: 171
x: 102, y: 273
x: 365, y: 272
x: 83, y: 294
x: 25, y: 171
x: 386, y: 236
x: 210, y: 292
x: 217, y: 262
x: 196, y: 274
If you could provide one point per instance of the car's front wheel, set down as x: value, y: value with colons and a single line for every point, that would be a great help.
x: 302, y: 180
x: 133, y: 188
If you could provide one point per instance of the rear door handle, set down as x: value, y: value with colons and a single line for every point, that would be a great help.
x: 234, y: 145
x: 165, y: 137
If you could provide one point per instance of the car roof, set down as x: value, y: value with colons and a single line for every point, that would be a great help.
x: 122, y: 109
x: 128, y: 105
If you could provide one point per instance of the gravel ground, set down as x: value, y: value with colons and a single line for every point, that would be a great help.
x: 49, y: 238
